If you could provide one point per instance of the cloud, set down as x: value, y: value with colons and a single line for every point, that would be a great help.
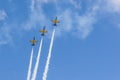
x: 109, y: 10
x: 86, y: 22
x: 75, y: 4
x: 36, y: 16
x: 75, y: 18
x: 66, y: 20
x: 76, y: 24
x: 109, y: 6
x: 69, y: 19
x: 85, y: 25
x: 5, y: 35
x: 114, y: 5
x: 3, y: 15
x: 35, y: 20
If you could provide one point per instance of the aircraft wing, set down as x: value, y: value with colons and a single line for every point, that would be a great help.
x: 35, y: 41
x: 43, y: 31
x: 54, y: 21
x: 31, y: 41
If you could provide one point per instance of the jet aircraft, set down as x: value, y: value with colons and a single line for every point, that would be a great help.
x: 43, y: 31
x: 55, y: 21
x: 33, y: 41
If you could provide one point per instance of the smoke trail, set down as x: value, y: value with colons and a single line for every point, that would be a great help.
x: 37, y: 61
x: 30, y: 65
x: 49, y: 56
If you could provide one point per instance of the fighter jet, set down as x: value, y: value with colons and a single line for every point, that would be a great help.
x: 55, y: 21
x: 43, y: 31
x: 33, y: 41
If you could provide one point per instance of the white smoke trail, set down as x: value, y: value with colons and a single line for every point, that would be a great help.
x: 37, y: 61
x: 48, y: 58
x: 30, y: 65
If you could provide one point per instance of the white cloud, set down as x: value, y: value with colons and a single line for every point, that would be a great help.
x: 86, y: 22
x: 70, y: 19
x: 109, y: 9
x: 85, y: 25
x: 5, y: 35
x: 75, y: 4
x: 76, y: 24
x: 114, y: 5
x: 66, y: 20
x: 36, y: 16
x: 35, y: 19
x: 3, y: 15
x: 111, y: 6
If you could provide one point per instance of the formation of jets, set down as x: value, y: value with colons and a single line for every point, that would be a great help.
x: 43, y: 31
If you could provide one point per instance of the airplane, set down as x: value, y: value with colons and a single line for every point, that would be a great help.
x: 33, y: 41
x: 43, y: 31
x: 55, y: 21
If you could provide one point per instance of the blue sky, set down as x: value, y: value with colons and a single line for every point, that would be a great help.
x: 86, y: 45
